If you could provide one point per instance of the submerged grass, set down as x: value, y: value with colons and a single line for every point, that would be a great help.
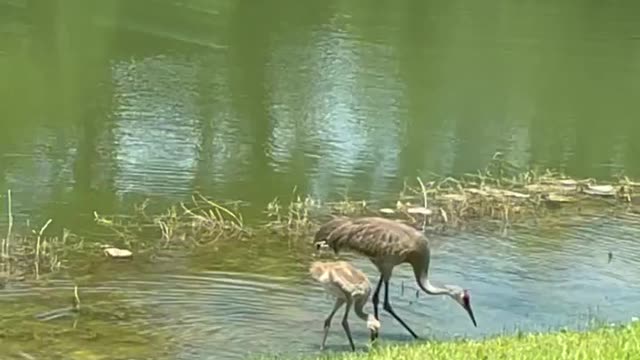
x: 31, y: 251
x: 605, y: 343
x: 201, y: 222
x: 51, y: 324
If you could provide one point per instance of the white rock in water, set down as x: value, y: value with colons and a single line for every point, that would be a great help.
x: 118, y: 253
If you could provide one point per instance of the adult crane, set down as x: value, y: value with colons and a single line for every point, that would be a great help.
x: 388, y: 243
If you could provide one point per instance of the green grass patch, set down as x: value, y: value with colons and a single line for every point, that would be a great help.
x: 604, y: 343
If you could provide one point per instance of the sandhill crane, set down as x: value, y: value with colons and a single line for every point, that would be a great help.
x: 349, y: 285
x: 388, y: 243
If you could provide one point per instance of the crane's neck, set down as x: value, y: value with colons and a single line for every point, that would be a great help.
x: 428, y: 287
x: 358, y: 308
x: 372, y: 322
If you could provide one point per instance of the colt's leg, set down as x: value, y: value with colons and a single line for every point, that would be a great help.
x: 327, y: 322
x: 345, y: 324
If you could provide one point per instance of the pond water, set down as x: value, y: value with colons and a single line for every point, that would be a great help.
x: 107, y: 103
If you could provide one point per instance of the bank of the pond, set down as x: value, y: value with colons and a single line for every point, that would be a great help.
x: 619, y: 342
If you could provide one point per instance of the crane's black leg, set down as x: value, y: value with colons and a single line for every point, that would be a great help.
x: 387, y: 307
x: 376, y: 298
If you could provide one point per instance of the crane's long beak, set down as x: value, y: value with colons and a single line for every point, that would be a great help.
x: 468, y: 308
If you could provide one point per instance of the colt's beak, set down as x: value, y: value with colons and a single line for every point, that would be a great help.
x: 470, y: 311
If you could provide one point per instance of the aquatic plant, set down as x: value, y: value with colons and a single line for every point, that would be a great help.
x: 499, y: 195
x: 27, y: 251
x: 202, y: 222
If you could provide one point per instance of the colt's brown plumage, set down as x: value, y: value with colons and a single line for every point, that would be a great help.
x: 388, y: 243
x: 349, y: 285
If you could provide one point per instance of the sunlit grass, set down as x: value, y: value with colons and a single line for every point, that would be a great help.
x: 605, y: 343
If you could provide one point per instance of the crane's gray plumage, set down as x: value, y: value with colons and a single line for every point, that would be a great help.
x: 388, y: 243
x: 371, y: 236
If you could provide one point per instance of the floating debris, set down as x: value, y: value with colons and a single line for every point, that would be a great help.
x: 454, y: 197
x: 549, y: 188
x: 600, y: 190
x: 387, y: 211
x: 114, y: 252
x: 75, y: 301
x: 610, y: 257
x: 560, y: 182
x: 557, y: 198
x: 443, y: 213
x: 420, y: 210
x: 629, y: 182
x: 477, y: 191
x: 506, y: 193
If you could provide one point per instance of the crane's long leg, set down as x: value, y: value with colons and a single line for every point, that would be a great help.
x: 327, y: 321
x: 375, y: 299
x: 387, y: 307
x: 345, y: 324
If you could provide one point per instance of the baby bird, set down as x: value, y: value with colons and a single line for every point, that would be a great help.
x: 349, y: 285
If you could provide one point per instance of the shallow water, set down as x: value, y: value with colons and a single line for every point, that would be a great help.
x: 527, y: 280
x: 106, y: 104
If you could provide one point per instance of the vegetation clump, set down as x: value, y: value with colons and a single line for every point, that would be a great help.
x: 29, y: 251
x: 499, y: 195
x: 202, y: 222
